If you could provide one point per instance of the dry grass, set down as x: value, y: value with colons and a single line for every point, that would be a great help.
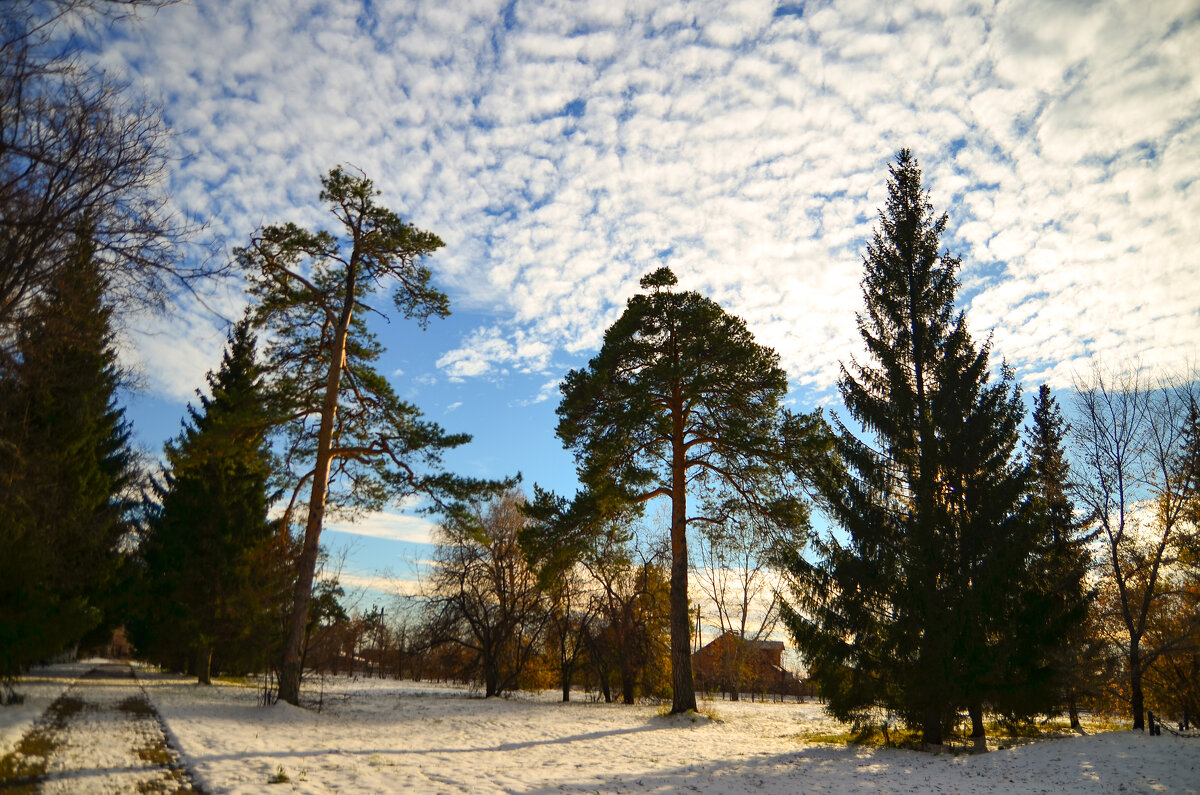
x: 22, y: 770
x: 137, y: 705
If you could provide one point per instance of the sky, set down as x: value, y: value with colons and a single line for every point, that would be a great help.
x: 564, y: 149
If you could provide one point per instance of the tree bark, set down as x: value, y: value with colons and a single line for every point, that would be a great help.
x: 931, y: 727
x: 204, y: 665
x: 978, y: 734
x: 290, y: 670
x: 683, y: 690
x: 1136, y: 699
x: 627, y: 682
x: 491, y: 673
x: 1073, y: 712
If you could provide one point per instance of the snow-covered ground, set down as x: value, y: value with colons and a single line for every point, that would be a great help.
x: 387, y: 736
x: 39, y: 688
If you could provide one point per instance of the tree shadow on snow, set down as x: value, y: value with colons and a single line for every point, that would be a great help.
x: 830, y: 769
x: 479, y: 749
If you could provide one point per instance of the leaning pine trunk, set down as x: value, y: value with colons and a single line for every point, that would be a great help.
x: 290, y: 671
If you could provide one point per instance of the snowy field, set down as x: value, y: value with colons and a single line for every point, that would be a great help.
x: 387, y: 736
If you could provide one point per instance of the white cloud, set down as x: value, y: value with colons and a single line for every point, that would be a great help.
x: 567, y: 149
x: 548, y: 390
x: 390, y: 526
x: 488, y: 350
x: 383, y: 584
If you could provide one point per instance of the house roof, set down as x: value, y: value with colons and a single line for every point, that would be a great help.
x: 757, y: 645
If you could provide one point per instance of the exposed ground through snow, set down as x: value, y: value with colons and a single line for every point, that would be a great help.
x: 99, y: 736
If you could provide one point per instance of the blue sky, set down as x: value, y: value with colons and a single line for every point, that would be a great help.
x: 563, y: 149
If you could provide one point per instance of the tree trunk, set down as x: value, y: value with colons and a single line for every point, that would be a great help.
x: 204, y: 665
x: 491, y: 681
x: 1136, y: 699
x: 683, y: 688
x: 627, y: 694
x: 931, y: 727
x: 290, y: 670
x: 1073, y: 712
x: 628, y: 679
x: 564, y: 668
x: 978, y: 734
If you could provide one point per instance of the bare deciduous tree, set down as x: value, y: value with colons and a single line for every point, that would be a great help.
x: 483, y: 596
x: 631, y: 598
x: 573, y: 612
x: 1130, y: 439
x: 78, y: 152
x: 734, y: 577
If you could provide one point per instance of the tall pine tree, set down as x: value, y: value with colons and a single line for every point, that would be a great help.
x: 207, y: 582
x: 679, y: 397
x: 66, y: 469
x: 914, y: 613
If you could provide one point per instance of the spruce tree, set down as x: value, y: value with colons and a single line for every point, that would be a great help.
x: 211, y: 527
x: 913, y: 612
x: 66, y: 472
x: 1064, y: 600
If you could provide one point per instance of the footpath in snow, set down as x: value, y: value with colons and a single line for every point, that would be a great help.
x: 99, y: 735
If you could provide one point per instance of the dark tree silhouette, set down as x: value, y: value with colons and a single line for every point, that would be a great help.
x: 207, y: 585
x: 918, y: 610
x: 66, y: 470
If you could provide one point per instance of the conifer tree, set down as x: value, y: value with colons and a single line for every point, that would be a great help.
x: 915, y: 613
x: 66, y: 469
x: 1063, y: 553
x: 208, y: 538
x: 352, y: 443
x: 679, y: 397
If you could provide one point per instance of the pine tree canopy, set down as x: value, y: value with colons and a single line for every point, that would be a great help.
x: 679, y: 399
